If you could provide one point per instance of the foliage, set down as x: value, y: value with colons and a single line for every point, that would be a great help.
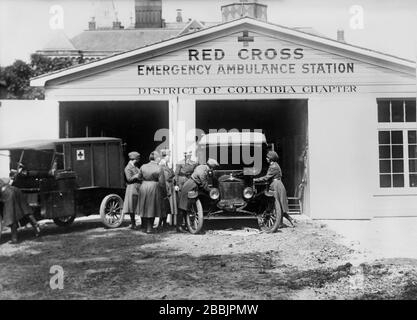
x: 15, y: 79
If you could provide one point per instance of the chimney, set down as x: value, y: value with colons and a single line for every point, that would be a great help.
x: 341, y: 35
x: 244, y: 8
x: 148, y: 14
x: 92, y: 24
x: 179, y: 15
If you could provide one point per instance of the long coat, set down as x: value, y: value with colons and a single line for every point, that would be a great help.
x: 169, y: 178
x: 199, y: 179
x: 273, y: 177
x: 130, y: 204
x: 152, y: 190
x: 15, y: 205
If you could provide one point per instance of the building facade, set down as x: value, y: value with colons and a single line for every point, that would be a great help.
x: 351, y: 110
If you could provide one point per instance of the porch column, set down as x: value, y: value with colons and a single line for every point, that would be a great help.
x: 182, y: 126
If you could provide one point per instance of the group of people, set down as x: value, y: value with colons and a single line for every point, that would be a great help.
x: 154, y: 189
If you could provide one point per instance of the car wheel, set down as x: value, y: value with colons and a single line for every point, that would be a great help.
x: 111, y: 211
x: 270, y: 219
x: 195, y: 217
x: 64, y: 221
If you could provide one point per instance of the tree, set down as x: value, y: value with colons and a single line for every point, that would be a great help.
x: 15, y: 79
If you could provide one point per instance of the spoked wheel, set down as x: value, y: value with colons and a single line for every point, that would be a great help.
x: 195, y: 217
x: 270, y: 219
x: 64, y: 221
x: 111, y: 211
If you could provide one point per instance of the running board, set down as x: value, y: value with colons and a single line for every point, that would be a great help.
x: 229, y: 217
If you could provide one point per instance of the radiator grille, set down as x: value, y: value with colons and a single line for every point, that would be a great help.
x: 231, y: 190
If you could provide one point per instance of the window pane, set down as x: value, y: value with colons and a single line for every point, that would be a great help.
x: 410, y: 111
x: 384, y: 137
x: 385, y: 166
x: 383, y: 111
x: 397, y: 151
x: 397, y: 111
x: 397, y: 166
x: 398, y: 180
x: 396, y: 137
x: 384, y: 152
x: 412, y: 151
x: 412, y: 136
x: 412, y: 164
x: 413, y: 180
x: 385, y: 181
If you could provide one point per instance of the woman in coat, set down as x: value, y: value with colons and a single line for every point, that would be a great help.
x: 152, y: 191
x: 169, y: 178
x: 15, y: 208
x: 130, y: 204
x: 273, y: 177
x: 199, y: 179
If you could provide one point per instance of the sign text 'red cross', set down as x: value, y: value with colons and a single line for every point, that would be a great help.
x: 245, y: 38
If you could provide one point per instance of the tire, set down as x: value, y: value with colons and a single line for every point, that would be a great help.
x: 270, y: 219
x: 64, y: 221
x: 111, y: 211
x: 195, y: 217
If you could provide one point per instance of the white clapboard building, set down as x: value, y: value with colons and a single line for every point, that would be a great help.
x: 350, y: 109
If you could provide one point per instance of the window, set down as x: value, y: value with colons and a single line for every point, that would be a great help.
x: 397, y: 143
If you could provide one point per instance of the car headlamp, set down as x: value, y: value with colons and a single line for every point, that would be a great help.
x: 248, y: 193
x: 214, y: 193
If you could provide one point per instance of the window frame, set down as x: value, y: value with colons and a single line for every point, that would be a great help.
x: 404, y: 127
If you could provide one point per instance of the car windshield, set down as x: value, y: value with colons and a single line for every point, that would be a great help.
x: 40, y: 160
x: 235, y: 157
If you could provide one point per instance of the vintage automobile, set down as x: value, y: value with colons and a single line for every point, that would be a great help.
x: 234, y: 195
x: 65, y: 177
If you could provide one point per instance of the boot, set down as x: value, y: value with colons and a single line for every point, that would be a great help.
x: 287, y: 216
x: 149, y: 225
x: 180, y: 227
x: 13, y: 228
x: 132, y: 221
x: 35, y: 225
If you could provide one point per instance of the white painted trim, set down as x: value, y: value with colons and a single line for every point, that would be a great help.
x: 42, y: 80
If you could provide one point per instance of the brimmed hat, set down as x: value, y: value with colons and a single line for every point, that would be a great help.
x: 212, y: 163
x: 134, y: 155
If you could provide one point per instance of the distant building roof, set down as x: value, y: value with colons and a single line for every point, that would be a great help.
x: 59, y: 41
x: 121, y: 40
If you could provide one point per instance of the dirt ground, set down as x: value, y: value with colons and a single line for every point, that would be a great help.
x: 231, y: 260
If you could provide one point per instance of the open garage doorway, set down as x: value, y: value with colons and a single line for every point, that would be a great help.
x: 284, y: 123
x: 135, y: 122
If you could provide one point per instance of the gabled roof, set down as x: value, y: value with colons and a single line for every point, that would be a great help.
x: 379, y: 58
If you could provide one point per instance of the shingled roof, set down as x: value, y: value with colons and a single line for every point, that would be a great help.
x: 121, y: 40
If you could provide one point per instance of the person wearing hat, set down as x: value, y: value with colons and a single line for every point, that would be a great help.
x: 152, y: 191
x: 130, y: 204
x: 15, y: 208
x: 273, y: 177
x: 169, y: 178
x: 198, y: 179
x: 184, y: 169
